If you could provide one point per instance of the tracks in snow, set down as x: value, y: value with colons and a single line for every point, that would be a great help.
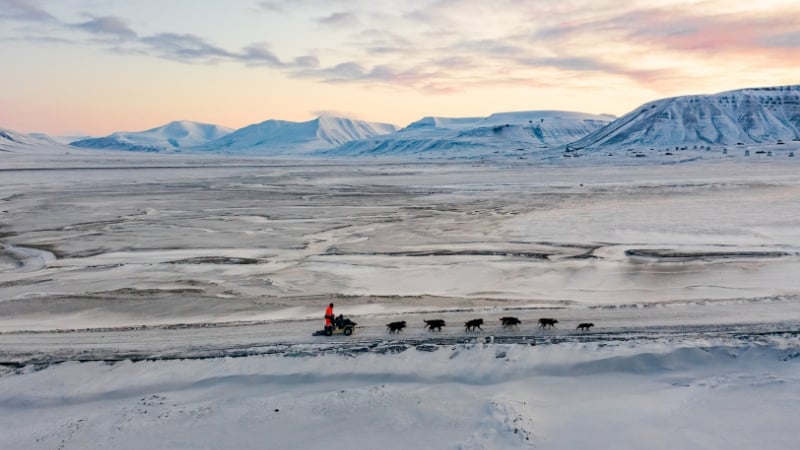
x: 77, y: 348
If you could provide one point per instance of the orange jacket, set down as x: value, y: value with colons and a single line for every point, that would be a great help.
x: 329, y: 316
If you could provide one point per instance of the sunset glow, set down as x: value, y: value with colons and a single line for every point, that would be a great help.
x: 96, y: 67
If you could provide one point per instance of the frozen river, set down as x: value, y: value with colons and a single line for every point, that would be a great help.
x: 215, y: 240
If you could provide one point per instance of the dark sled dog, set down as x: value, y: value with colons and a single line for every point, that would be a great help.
x: 509, y: 322
x: 547, y: 322
x: 471, y: 325
x: 435, y: 324
x: 396, y: 327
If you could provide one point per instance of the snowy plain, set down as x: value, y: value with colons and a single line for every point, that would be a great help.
x: 169, y: 302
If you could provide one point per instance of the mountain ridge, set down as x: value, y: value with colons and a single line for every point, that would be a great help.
x: 742, y: 116
x: 756, y: 115
x: 282, y: 137
x: 472, y: 136
x: 175, y: 135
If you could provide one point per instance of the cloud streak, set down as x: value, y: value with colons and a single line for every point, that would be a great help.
x: 184, y: 48
x: 192, y: 49
x: 26, y: 10
x: 109, y: 26
x: 340, y: 19
x: 447, y: 45
x: 677, y: 29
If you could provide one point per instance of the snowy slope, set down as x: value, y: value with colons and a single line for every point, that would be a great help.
x: 20, y: 150
x: 19, y: 144
x: 749, y: 116
x: 451, y: 123
x: 10, y: 138
x: 277, y: 137
x: 172, y: 136
x: 63, y: 140
x: 467, y: 137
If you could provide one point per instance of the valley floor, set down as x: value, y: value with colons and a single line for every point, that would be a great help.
x: 170, y: 303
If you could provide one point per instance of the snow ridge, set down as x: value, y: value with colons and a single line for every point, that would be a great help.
x: 747, y: 116
x: 15, y: 142
x: 12, y: 137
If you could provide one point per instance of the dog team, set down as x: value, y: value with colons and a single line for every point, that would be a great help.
x: 475, y: 324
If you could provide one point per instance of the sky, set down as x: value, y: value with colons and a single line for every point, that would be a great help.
x: 70, y: 67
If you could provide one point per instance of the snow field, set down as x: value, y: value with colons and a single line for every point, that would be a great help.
x: 473, y: 396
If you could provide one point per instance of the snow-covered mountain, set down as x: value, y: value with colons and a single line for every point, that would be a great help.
x: 172, y: 136
x: 280, y: 137
x: 748, y: 116
x: 472, y: 136
x: 769, y: 115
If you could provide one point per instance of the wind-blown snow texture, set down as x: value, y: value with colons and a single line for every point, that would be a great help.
x: 498, y: 133
x: 280, y: 137
x: 172, y: 136
x: 747, y: 116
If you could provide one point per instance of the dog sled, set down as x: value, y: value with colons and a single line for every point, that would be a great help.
x: 341, y: 325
